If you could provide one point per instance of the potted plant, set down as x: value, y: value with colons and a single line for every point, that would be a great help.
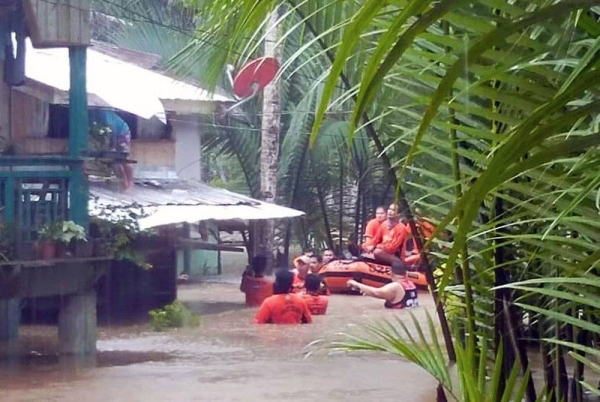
x: 74, y: 236
x: 63, y: 233
x: 49, y: 235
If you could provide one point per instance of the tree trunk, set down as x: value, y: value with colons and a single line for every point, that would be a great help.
x: 341, y: 230
x: 269, y: 152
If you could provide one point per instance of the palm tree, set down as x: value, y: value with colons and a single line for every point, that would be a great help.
x: 489, y: 113
x: 338, y: 184
x: 269, y: 138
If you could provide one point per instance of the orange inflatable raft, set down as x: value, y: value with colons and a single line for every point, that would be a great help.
x: 337, y: 273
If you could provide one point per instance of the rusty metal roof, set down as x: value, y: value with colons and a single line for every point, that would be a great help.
x: 155, y: 203
x: 166, y: 192
x: 143, y: 59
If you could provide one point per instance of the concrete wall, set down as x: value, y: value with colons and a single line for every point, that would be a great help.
x: 153, y: 153
x: 187, y: 149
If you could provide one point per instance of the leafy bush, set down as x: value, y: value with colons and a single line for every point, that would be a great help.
x: 174, y: 315
x: 62, y: 231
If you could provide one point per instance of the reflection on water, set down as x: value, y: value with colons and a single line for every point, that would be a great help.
x: 101, y: 359
x: 226, y: 359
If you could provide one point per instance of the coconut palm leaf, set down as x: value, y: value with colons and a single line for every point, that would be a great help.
x: 489, y: 110
x: 477, y: 379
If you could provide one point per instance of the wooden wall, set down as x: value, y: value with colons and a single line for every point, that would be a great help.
x: 153, y: 153
x: 29, y: 117
x: 29, y: 131
x: 58, y: 23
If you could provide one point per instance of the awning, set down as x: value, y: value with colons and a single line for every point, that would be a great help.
x: 167, y: 202
x: 118, y: 84
x: 173, y: 214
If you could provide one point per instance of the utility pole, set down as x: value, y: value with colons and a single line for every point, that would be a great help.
x: 270, y: 126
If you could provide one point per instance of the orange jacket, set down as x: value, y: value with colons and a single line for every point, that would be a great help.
x: 298, y: 284
x: 390, y: 239
x: 317, y: 304
x: 370, y: 233
x: 283, y: 309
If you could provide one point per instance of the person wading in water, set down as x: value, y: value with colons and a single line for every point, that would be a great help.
x: 400, y: 293
x: 283, y: 307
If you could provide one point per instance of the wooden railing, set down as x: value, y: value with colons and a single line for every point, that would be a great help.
x: 34, y: 191
x: 145, y: 152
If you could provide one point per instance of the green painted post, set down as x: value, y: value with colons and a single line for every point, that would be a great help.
x: 9, y: 199
x: 187, y: 253
x: 78, y: 134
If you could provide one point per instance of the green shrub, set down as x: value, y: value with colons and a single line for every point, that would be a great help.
x: 174, y: 315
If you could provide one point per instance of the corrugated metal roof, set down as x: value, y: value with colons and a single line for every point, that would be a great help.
x: 120, y: 84
x: 153, y: 193
x: 166, y: 202
x: 146, y: 60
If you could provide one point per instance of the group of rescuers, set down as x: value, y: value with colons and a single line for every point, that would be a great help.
x: 298, y: 294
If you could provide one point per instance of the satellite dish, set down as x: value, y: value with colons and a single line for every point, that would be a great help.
x: 250, y: 79
x: 254, y: 76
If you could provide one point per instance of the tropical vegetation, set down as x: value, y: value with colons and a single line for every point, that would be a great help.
x: 489, y: 112
x: 338, y: 184
x: 484, y: 116
x: 174, y: 315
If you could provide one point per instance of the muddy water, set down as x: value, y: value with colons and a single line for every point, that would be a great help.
x: 226, y: 359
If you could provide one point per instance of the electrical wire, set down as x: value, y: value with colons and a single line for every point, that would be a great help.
x: 222, y: 126
x: 148, y: 20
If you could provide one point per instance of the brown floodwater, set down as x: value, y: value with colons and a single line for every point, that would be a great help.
x: 226, y: 359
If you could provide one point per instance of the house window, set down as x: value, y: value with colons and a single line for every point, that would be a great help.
x: 58, y: 122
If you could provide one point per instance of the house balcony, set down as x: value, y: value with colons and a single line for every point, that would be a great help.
x: 147, y: 153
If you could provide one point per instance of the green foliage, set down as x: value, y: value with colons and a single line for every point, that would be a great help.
x: 489, y: 113
x: 122, y: 242
x: 100, y: 136
x: 62, y: 232
x: 478, y: 369
x: 337, y: 184
x: 174, y: 315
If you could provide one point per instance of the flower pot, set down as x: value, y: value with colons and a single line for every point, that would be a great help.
x: 47, y: 250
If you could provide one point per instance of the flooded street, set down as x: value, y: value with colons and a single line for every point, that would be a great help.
x: 226, y: 359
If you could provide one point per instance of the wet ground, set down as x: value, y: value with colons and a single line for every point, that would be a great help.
x: 226, y: 359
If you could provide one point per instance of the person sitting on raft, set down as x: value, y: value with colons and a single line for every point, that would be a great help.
x: 302, y: 265
x: 314, y: 268
x: 372, y: 228
x: 256, y: 287
x: 398, y: 294
x: 283, y: 307
x: 316, y: 302
x: 389, y: 238
x: 327, y: 256
x: 315, y: 264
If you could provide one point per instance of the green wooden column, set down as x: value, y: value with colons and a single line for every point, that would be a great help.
x: 187, y: 253
x: 78, y: 134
